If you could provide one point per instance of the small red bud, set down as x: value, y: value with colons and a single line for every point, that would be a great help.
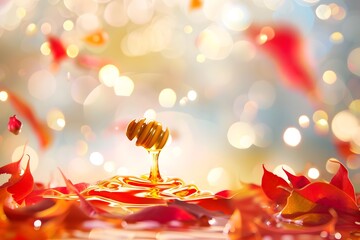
x: 14, y: 125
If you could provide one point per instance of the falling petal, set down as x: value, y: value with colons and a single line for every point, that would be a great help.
x: 285, y: 45
x: 57, y: 49
x: 98, y: 38
x: 14, y: 125
x: 41, y: 130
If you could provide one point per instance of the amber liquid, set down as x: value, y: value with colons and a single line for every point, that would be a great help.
x: 126, y: 194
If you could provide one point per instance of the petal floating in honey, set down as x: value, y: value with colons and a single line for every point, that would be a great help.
x: 161, y: 214
x: 14, y: 125
x: 98, y: 38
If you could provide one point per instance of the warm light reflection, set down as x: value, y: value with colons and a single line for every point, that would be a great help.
x: 344, y: 125
x: 108, y: 74
x: 323, y: 12
x: 109, y: 166
x: 353, y: 62
x: 55, y: 120
x: 123, y: 86
x: 313, y: 173
x: 241, y: 135
x: 192, y: 95
x: 68, y: 25
x: 31, y: 29
x: 354, y: 106
x: 96, y: 158
x: 200, y: 58
x: 3, y: 96
x: 37, y: 224
x: 337, y: 37
x: 292, y: 136
x: 150, y: 114
x: 236, y: 17
x: 322, y: 126
x: 167, y: 98
x: 188, y: 29
x: 318, y: 115
x: 329, y: 77
x: 218, y: 177
x: 304, y: 121
x: 45, y: 49
x: 72, y: 51
x: 215, y: 43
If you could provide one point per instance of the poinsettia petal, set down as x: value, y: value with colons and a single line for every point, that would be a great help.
x: 23, y: 187
x: 274, y: 187
x: 329, y: 196
x: 342, y: 181
x: 88, y: 208
x: 161, y: 214
x: 12, y: 168
x: 297, y: 181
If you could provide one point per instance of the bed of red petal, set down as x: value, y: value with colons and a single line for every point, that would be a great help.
x: 297, y: 207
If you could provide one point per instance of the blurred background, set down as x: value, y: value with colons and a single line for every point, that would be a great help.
x: 238, y: 83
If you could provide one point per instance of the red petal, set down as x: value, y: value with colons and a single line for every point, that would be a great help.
x: 285, y: 46
x: 40, y: 129
x: 89, y: 209
x: 23, y: 187
x: 297, y: 181
x: 275, y: 187
x: 329, y: 196
x: 57, y: 48
x: 161, y: 214
x: 342, y: 181
x: 14, y: 125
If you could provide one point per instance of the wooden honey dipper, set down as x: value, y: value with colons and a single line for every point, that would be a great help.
x: 153, y: 138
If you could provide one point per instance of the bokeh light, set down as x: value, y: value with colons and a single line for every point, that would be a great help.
x: 345, y: 125
x: 323, y: 12
x: 241, y: 135
x: 96, y: 158
x: 123, y: 86
x: 313, y: 173
x: 108, y: 74
x: 3, y: 96
x: 56, y: 120
x: 167, y: 98
x: 329, y: 77
x: 304, y: 121
x: 292, y: 136
x: 215, y: 42
x: 353, y: 61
